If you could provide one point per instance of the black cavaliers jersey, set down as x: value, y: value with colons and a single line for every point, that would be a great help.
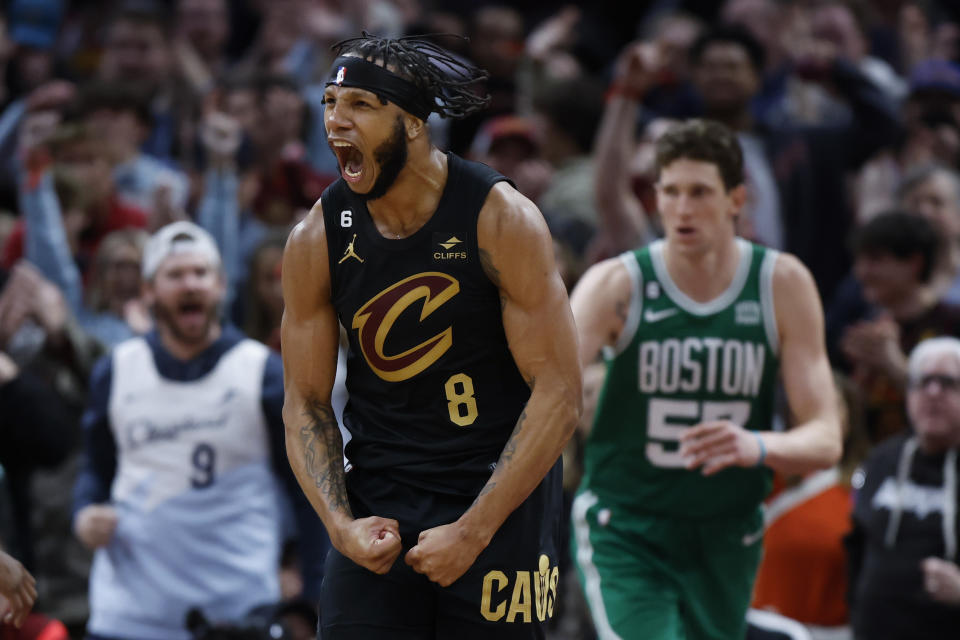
x: 434, y: 393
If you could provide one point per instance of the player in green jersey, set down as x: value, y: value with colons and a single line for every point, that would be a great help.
x: 694, y: 330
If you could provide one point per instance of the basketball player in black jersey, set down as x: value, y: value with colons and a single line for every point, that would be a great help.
x: 462, y: 371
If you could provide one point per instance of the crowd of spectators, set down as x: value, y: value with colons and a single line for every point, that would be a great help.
x: 118, y: 117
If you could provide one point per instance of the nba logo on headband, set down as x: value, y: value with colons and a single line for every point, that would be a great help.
x: 341, y: 72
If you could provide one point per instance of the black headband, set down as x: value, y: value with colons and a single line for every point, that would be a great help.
x: 351, y: 71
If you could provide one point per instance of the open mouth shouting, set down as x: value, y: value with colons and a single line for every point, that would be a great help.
x: 192, y: 315
x: 350, y: 159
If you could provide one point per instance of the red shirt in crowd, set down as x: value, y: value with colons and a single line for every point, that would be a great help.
x: 119, y: 216
x: 804, y: 571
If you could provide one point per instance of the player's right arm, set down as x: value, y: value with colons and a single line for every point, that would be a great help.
x: 600, y: 302
x: 310, y: 334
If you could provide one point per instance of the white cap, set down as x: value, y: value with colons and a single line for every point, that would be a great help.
x: 177, y: 237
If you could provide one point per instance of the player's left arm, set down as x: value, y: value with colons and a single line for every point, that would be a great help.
x: 516, y: 252
x: 815, y: 442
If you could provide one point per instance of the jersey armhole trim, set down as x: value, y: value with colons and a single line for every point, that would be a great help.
x: 767, y: 301
x: 328, y: 218
x: 632, y: 322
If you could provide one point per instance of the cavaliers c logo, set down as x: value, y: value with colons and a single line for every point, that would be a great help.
x: 375, y: 319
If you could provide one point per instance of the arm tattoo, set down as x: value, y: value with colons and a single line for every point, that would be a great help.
x: 323, y: 455
x: 487, y: 488
x: 486, y: 263
x: 509, y: 450
x: 493, y: 274
x: 622, y: 307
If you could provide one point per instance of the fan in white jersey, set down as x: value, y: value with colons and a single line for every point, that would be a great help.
x: 179, y: 495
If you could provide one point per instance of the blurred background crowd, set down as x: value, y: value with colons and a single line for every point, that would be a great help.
x: 120, y: 116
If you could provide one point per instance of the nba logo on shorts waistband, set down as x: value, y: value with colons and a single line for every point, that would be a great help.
x: 341, y: 72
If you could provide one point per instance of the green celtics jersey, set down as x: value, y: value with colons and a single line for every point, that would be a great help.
x: 678, y: 363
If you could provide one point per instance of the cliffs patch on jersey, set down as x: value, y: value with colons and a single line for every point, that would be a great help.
x: 374, y: 320
x: 449, y: 246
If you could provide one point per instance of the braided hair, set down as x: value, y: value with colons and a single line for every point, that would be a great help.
x: 446, y: 78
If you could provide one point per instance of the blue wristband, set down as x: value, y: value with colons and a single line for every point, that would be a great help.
x: 763, y: 449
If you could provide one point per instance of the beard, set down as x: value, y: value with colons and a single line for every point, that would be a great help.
x: 391, y: 158
x: 167, y: 317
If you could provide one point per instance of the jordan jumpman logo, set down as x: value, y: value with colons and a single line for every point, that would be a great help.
x: 350, y: 253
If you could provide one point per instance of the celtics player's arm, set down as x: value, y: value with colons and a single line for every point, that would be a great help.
x: 310, y: 335
x: 516, y: 253
x: 600, y: 302
x: 815, y: 442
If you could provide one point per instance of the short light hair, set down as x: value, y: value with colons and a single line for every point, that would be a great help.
x: 704, y: 141
x: 928, y: 348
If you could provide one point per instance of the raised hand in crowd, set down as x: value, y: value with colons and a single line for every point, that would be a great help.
x: 623, y: 218
x: 640, y: 67
x: 44, y: 112
x: 18, y: 591
x: 221, y: 135
x: 554, y: 33
x: 873, y: 346
x: 54, y: 94
x: 29, y: 295
x: 191, y: 65
x: 164, y: 209
x: 326, y: 24
x: 548, y: 44
x: 37, y: 127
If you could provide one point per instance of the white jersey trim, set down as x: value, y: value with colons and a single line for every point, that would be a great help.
x: 591, y: 576
x: 767, y: 301
x: 687, y: 303
x: 632, y: 323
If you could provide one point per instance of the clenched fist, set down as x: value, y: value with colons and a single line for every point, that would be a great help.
x: 444, y: 553
x: 95, y: 524
x: 372, y: 543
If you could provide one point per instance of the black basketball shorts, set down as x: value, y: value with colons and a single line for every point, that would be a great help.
x: 509, y: 593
